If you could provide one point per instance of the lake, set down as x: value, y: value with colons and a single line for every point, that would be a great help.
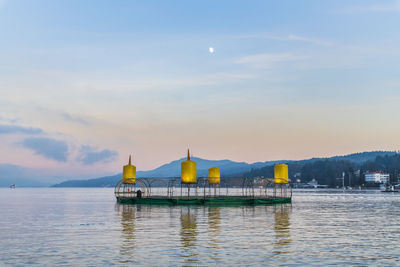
x: 86, y: 227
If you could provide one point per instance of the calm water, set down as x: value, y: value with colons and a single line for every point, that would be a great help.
x: 56, y: 226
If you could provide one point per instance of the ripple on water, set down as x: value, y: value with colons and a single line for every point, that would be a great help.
x: 53, y: 226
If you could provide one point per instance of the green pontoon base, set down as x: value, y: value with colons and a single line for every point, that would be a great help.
x: 219, y: 201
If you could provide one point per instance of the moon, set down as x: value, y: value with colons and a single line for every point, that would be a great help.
x: 211, y: 50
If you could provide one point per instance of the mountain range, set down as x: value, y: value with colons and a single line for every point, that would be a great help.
x: 228, y: 168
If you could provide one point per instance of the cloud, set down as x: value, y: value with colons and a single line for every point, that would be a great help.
x: 293, y: 37
x: 47, y: 147
x: 289, y: 37
x: 11, y: 129
x: 267, y: 60
x: 89, y: 155
x: 76, y: 119
x: 22, y: 176
x: 392, y: 7
x: 8, y: 120
x: 8, y: 170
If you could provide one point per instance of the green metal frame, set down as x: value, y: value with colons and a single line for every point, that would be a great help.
x: 221, y: 201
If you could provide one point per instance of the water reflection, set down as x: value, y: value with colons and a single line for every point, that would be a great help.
x: 200, y: 230
x: 81, y: 227
x: 282, y: 229
x: 214, y: 229
x: 128, y: 233
x: 188, y: 235
x: 249, y: 211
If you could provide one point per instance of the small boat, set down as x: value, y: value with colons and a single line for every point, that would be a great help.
x: 389, y: 189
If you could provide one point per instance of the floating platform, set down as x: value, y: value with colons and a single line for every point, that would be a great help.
x: 203, y: 190
x: 219, y: 201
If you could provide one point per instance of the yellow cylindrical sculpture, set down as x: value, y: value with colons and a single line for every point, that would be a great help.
x: 281, y: 173
x: 188, y: 171
x: 129, y: 173
x: 214, y: 175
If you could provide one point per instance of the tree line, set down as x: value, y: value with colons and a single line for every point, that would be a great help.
x: 329, y: 171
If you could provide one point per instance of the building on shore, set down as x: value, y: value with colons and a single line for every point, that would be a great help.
x: 377, y: 177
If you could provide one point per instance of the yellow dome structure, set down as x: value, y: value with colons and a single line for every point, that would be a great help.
x: 214, y: 175
x: 281, y: 173
x: 129, y: 173
x: 188, y: 171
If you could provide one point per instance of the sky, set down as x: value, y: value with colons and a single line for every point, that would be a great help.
x: 83, y: 84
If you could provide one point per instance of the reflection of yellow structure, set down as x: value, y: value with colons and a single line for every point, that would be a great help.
x: 128, y: 233
x: 129, y: 173
x: 281, y: 173
x: 214, y: 225
x: 282, y: 229
x: 214, y: 175
x: 189, y: 236
x: 188, y: 171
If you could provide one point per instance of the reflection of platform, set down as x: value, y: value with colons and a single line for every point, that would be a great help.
x: 219, y: 201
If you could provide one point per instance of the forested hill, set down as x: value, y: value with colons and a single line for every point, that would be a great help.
x: 231, y: 168
x: 327, y: 171
x: 364, y: 156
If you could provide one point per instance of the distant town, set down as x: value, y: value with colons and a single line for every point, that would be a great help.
x: 371, y: 180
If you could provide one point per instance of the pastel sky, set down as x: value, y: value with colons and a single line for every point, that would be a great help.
x: 85, y: 83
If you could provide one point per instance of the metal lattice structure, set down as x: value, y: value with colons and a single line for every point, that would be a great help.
x: 169, y: 188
